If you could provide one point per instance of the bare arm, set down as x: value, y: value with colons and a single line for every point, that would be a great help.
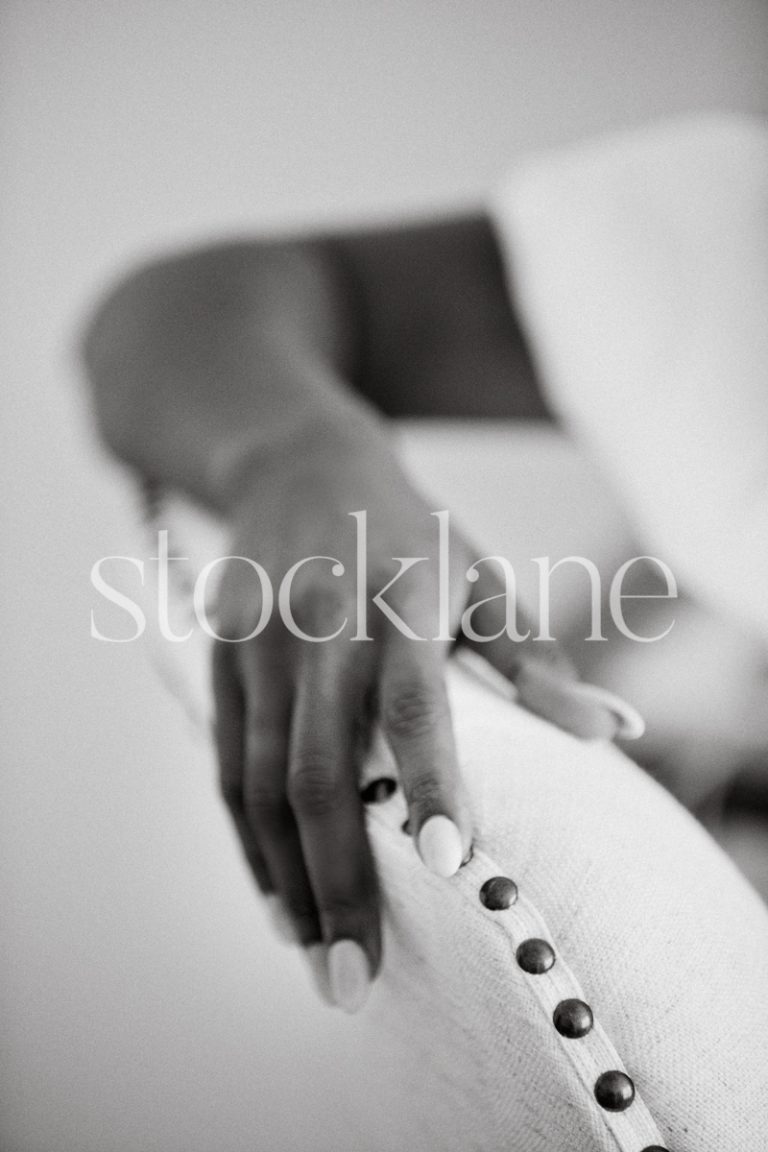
x: 250, y: 375
x: 192, y: 358
x: 225, y: 353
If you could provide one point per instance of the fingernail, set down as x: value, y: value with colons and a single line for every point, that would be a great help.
x: 349, y: 975
x: 317, y: 961
x: 631, y: 725
x: 281, y: 921
x: 440, y: 846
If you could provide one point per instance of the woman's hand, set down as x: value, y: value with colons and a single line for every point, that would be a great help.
x: 294, y: 714
x: 227, y: 373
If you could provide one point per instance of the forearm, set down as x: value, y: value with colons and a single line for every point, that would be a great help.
x: 244, y: 347
x: 201, y: 362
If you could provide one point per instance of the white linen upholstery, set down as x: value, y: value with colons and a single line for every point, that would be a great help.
x: 651, y: 924
x: 638, y: 268
x: 667, y: 941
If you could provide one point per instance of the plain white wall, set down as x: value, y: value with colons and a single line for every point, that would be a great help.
x: 143, y: 1005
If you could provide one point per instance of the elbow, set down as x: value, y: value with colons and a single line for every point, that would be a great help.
x: 109, y: 351
x: 128, y: 348
x: 149, y: 334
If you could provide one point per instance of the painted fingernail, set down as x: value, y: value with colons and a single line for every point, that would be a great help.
x: 440, y: 846
x: 281, y: 921
x: 317, y: 961
x: 631, y: 725
x: 349, y: 975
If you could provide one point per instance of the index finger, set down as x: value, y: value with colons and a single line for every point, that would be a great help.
x: 416, y: 718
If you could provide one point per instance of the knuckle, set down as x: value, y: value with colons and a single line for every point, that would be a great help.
x: 425, y: 794
x: 320, y: 606
x: 264, y: 804
x: 266, y: 743
x: 411, y: 710
x: 314, y: 786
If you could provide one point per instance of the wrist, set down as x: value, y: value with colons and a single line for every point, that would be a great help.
x: 253, y: 458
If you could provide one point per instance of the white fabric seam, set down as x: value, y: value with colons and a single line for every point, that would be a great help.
x: 631, y: 1130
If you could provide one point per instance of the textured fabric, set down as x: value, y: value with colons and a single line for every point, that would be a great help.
x: 639, y: 265
x: 651, y: 925
x: 621, y: 288
x: 667, y: 942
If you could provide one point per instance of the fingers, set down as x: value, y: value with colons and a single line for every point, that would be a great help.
x: 631, y: 725
x: 231, y: 747
x: 416, y: 720
x: 288, y: 762
x: 549, y: 694
x: 230, y: 737
x: 269, y: 818
x: 324, y: 796
x: 545, y: 679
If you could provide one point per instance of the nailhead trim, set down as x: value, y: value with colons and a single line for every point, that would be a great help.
x: 614, y: 1091
x: 558, y: 993
x: 498, y: 893
x: 521, y: 910
x: 573, y: 1019
x: 535, y: 956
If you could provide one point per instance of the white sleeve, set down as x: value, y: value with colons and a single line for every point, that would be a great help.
x: 639, y: 266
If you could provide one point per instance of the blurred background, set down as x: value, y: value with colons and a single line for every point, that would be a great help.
x: 143, y: 1004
